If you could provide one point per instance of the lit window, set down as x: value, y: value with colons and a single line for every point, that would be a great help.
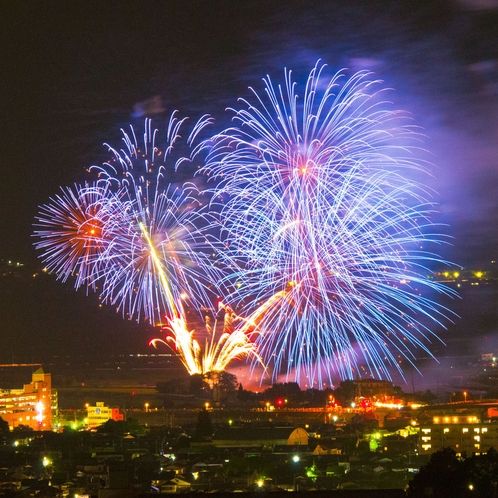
x: 484, y: 430
x: 477, y: 430
x: 465, y: 430
x: 446, y: 430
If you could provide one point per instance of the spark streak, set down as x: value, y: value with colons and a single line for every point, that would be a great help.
x: 320, y: 186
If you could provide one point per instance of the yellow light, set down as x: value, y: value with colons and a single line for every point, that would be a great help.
x: 479, y: 274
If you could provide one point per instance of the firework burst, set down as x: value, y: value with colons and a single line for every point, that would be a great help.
x: 320, y: 203
x: 73, y: 231
x: 132, y: 232
x: 219, y: 350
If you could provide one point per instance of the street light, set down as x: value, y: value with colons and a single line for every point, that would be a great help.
x: 146, y: 407
x: 465, y: 396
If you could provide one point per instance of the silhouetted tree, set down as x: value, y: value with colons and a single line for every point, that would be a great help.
x: 444, y: 475
x: 120, y: 427
x: 483, y: 471
x: 345, y: 393
x: 4, y: 428
x: 223, y: 380
x: 287, y: 390
x: 204, y: 428
x: 196, y: 384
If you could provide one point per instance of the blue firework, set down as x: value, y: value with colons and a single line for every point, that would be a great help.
x: 132, y: 234
x: 320, y: 205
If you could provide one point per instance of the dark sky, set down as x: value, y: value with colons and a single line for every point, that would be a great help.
x: 71, y: 73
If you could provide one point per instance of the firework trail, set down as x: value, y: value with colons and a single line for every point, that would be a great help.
x: 219, y: 350
x: 131, y: 233
x: 318, y: 201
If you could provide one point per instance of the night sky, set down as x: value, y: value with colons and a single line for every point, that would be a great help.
x: 72, y: 73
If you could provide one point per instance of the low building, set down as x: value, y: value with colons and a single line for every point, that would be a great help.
x: 35, y: 405
x: 100, y: 414
x: 328, y: 448
x: 262, y: 437
x: 175, y: 485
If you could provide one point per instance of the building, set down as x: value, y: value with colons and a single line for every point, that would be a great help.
x: 100, y: 414
x: 261, y: 437
x: 368, y: 388
x: 35, y: 405
x: 464, y: 439
x: 466, y: 428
